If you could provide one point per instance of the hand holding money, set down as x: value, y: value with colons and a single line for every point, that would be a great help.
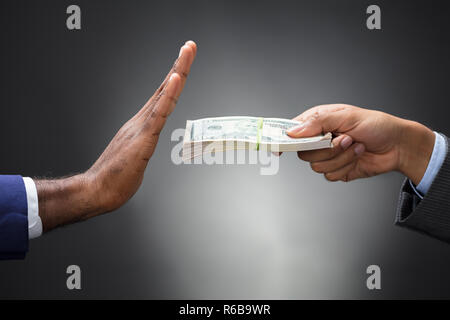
x: 232, y: 133
x: 368, y: 143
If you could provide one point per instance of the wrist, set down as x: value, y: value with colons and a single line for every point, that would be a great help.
x: 66, y: 200
x: 415, y: 149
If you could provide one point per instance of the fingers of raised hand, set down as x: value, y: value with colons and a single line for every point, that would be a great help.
x: 185, y: 59
x: 182, y: 66
x: 166, y: 102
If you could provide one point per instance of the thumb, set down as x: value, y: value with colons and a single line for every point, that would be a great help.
x: 320, y: 121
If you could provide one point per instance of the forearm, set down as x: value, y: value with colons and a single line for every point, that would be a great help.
x: 416, y: 147
x: 64, y: 201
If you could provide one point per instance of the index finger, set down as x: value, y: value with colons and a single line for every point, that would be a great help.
x: 311, y: 112
x: 339, y: 144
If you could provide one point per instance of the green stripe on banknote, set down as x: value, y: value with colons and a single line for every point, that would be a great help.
x: 258, y: 136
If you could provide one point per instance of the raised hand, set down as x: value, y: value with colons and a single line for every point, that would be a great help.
x: 119, y: 171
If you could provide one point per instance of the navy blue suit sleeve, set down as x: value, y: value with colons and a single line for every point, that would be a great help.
x: 13, y: 218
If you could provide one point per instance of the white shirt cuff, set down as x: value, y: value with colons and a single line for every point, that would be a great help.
x: 436, y: 160
x: 34, y: 221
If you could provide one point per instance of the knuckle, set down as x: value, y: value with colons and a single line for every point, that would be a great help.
x: 351, y: 155
x: 156, y: 113
x: 302, y: 155
x: 316, y: 167
x: 159, y: 96
x: 175, y: 64
x: 330, y: 177
x: 349, y: 177
x: 173, y: 99
x: 335, y: 151
x: 315, y: 115
x: 183, y: 75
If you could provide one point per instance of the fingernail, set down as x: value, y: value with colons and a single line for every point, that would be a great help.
x: 297, y: 128
x: 359, y: 149
x: 346, y: 142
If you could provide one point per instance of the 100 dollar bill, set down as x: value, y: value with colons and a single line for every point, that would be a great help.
x: 249, y: 133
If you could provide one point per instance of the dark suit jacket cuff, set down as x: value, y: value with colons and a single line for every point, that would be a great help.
x: 430, y: 215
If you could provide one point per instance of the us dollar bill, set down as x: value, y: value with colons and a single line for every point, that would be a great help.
x: 225, y: 133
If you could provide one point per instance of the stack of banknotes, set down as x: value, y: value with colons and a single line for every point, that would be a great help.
x: 253, y: 133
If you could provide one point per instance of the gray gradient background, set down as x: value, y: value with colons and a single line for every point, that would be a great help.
x: 220, y: 232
